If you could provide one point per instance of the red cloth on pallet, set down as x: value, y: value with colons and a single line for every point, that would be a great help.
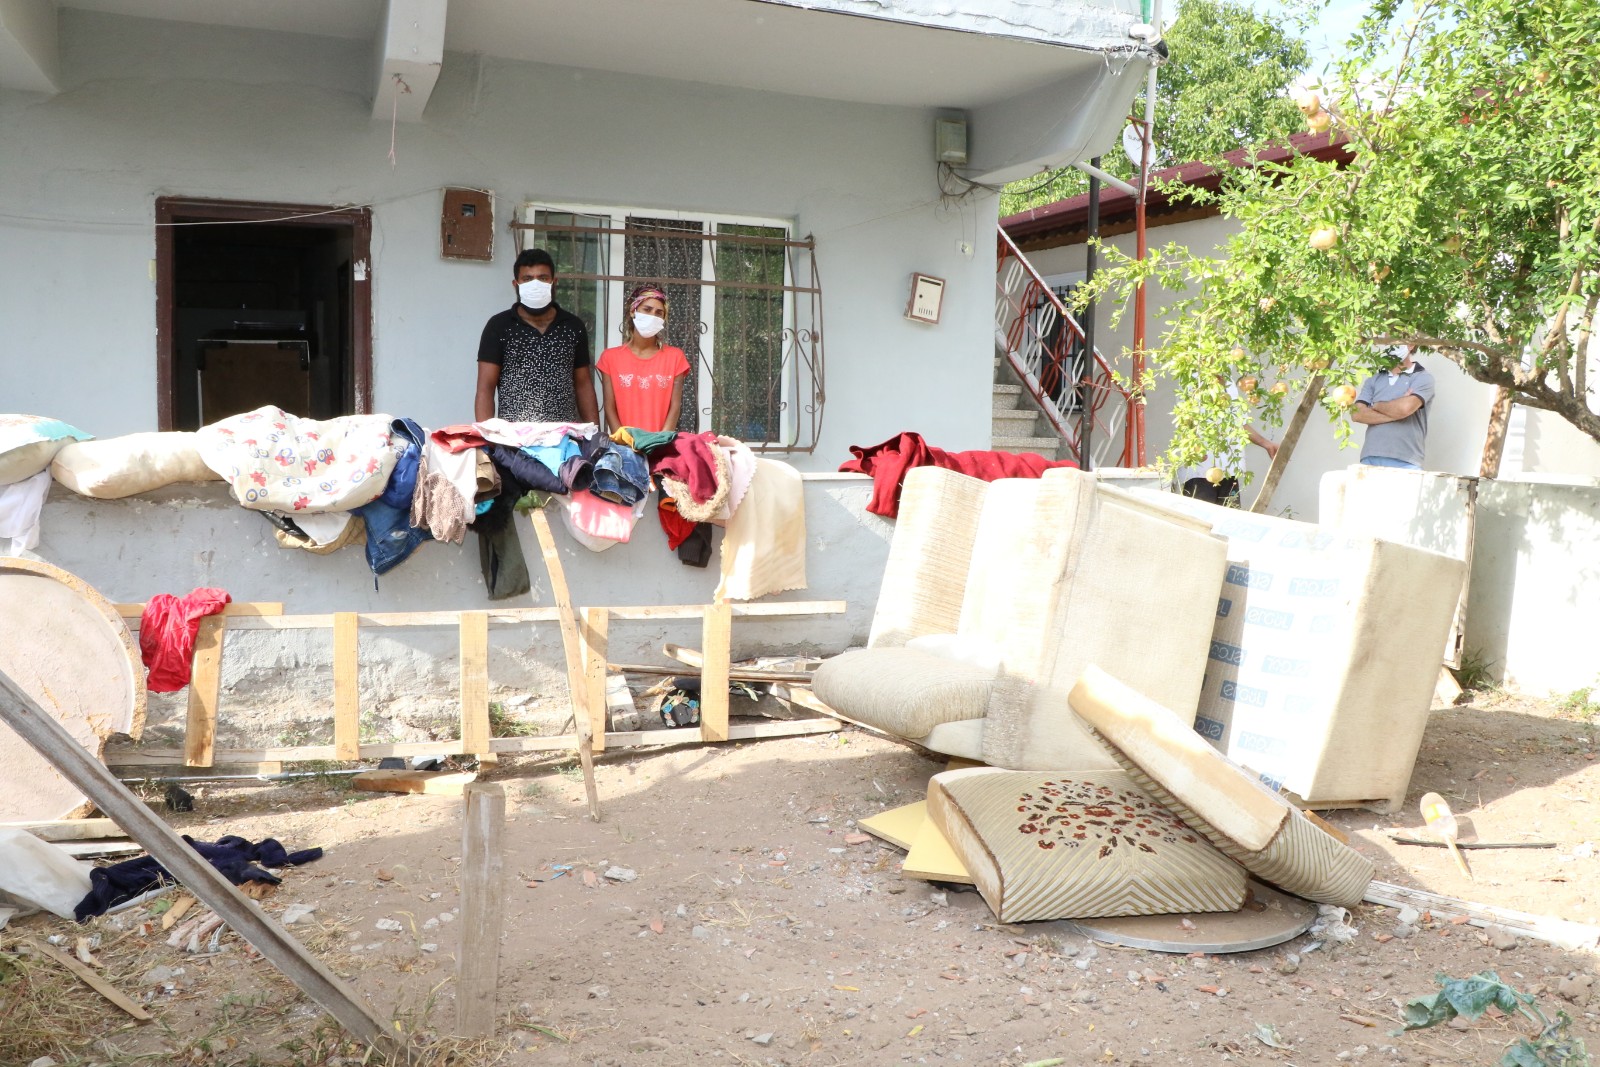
x: 167, y: 630
x: 889, y: 462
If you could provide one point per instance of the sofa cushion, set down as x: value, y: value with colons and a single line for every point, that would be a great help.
x: 929, y: 556
x: 1045, y: 846
x: 1250, y: 823
x: 902, y: 691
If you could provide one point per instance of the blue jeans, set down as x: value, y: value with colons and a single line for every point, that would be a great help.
x: 1385, y: 461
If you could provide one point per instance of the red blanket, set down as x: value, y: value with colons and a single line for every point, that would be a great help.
x: 889, y: 462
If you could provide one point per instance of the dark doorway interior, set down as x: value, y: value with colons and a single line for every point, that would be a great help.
x: 261, y: 312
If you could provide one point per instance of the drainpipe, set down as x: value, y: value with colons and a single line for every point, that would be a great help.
x: 1086, y: 376
x: 1151, y: 9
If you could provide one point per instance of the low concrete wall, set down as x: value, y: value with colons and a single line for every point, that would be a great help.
x: 278, y: 685
x: 1535, y: 605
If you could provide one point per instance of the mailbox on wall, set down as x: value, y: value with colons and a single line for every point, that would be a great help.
x: 466, y: 230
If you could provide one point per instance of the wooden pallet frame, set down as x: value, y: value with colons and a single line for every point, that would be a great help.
x: 587, y: 683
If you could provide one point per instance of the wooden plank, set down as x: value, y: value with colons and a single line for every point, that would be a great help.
x: 577, y: 684
x: 780, y: 608
x: 735, y: 674
x: 67, y: 829
x: 82, y: 850
x: 898, y: 826
x: 519, y: 616
x: 932, y: 858
x: 205, y: 692
x: 596, y: 621
x: 88, y: 978
x: 482, y: 904
x: 475, y: 684
x: 234, y: 610
x: 39, y: 729
x: 1568, y: 935
x: 433, y: 783
x: 716, y: 635
x: 346, y: 686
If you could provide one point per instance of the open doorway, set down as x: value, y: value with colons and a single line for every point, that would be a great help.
x: 260, y: 303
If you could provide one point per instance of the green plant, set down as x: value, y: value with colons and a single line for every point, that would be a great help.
x: 1475, y: 672
x: 503, y: 724
x: 1580, y: 703
x: 532, y: 790
x: 1470, y: 998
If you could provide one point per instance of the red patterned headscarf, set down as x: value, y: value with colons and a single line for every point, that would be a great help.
x: 643, y: 293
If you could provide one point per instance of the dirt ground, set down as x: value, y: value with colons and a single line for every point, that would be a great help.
x: 750, y: 932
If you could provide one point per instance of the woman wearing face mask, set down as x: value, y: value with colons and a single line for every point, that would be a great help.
x: 642, y: 377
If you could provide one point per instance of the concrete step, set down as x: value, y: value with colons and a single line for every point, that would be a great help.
x: 1014, y: 422
x: 1044, y: 446
x: 1007, y: 397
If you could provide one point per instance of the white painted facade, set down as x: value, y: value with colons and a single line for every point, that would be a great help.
x: 1539, y: 443
x: 747, y: 109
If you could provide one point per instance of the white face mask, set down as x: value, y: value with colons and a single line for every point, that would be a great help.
x: 535, y: 295
x: 648, y: 326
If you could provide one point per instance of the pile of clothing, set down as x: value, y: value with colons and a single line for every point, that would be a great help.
x: 394, y: 485
x: 391, y: 485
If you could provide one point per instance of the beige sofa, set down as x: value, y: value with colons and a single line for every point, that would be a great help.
x: 997, y: 595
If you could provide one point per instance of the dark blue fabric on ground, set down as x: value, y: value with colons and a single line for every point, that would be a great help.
x: 237, y: 859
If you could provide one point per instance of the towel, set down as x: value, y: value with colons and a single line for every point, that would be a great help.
x: 764, y: 550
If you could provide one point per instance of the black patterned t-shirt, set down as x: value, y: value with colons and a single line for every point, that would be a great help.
x: 536, y: 368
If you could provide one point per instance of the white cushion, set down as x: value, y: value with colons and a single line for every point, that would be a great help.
x: 125, y: 466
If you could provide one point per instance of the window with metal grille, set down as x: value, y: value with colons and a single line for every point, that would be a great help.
x: 744, y: 299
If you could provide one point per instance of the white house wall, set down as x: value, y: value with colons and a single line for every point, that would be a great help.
x: 1540, y: 443
x: 160, y: 108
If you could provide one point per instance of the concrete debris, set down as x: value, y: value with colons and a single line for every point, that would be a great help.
x: 295, y: 913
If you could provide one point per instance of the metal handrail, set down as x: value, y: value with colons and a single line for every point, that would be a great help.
x: 1027, y: 314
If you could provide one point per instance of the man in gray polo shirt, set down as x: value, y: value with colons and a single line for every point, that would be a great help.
x: 1393, y: 406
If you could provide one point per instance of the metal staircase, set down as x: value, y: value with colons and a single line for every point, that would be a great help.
x: 1042, y: 384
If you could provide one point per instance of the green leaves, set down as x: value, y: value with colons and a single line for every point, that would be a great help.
x: 1465, y: 221
x: 1471, y: 997
x: 1221, y: 89
x: 1467, y: 997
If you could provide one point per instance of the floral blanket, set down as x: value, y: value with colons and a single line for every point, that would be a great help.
x: 280, y: 462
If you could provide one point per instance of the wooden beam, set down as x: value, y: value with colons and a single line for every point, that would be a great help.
x: 716, y: 637
x: 346, y: 686
x: 435, y: 783
x: 233, y: 610
x: 205, y: 692
x: 39, y: 729
x: 1568, y: 935
x: 577, y: 679
x: 514, y: 616
x: 735, y: 674
x: 595, y: 624
x: 67, y: 829
x: 482, y: 904
x: 475, y: 684
x: 89, y: 978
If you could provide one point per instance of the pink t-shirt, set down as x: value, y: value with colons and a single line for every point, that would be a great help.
x: 643, y: 388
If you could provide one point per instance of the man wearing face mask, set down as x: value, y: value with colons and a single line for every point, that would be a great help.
x: 533, y: 358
